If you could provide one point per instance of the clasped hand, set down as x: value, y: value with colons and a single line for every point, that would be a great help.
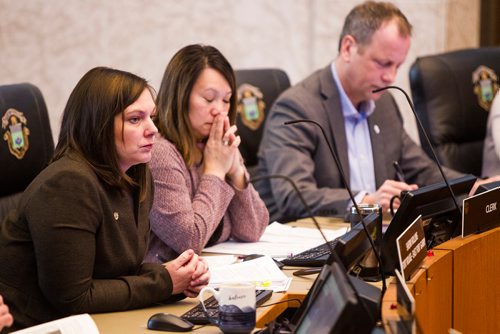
x: 221, y: 156
x: 6, y: 319
x: 189, y: 273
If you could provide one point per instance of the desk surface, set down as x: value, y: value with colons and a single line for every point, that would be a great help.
x: 134, y: 321
x: 452, y: 289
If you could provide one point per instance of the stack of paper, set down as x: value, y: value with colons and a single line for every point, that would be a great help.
x: 262, y: 271
x: 279, y: 241
x: 75, y: 324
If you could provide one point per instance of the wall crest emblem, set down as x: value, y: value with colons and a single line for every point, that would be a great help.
x: 16, y: 132
x: 485, y: 83
x: 250, y: 106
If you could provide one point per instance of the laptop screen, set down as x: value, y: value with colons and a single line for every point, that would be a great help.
x: 333, y: 306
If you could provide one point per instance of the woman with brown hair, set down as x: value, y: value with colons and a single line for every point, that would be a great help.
x: 76, y: 241
x: 202, y: 193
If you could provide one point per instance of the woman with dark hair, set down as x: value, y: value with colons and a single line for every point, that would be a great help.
x: 202, y: 193
x: 77, y: 240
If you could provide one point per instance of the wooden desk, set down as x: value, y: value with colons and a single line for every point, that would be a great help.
x: 430, y: 285
x: 457, y: 288
x: 134, y: 321
x: 476, y: 282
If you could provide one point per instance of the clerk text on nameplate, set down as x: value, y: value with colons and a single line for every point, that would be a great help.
x: 481, y: 212
x: 412, y: 248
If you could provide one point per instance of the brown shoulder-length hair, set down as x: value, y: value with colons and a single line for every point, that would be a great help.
x: 173, y: 97
x: 87, y: 128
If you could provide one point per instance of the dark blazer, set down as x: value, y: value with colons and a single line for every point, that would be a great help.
x: 76, y: 246
x: 299, y: 151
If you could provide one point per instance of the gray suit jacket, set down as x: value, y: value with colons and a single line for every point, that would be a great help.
x: 299, y: 151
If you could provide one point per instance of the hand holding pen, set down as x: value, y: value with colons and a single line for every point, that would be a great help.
x: 400, y: 176
x: 386, y: 193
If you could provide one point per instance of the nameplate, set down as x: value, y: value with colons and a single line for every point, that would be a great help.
x: 481, y: 212
x: 405, y: 306
x: 412, y: 248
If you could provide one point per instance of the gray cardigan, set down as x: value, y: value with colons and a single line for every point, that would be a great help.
x: 192, y: 210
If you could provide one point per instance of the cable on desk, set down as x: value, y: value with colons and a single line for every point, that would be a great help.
x: 282, y: 301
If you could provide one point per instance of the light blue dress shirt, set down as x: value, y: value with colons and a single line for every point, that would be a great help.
x: 359, y: 145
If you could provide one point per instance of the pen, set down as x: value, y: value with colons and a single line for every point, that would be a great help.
x: 399, y: 172
x: 282, y: 256
x: 307, y: 271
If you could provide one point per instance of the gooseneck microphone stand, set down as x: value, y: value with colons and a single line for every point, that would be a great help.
x: 304, y: 203
x: 434, y: 155
x: 344, y: 179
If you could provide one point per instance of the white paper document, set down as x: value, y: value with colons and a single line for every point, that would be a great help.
x: 219, y: 260
x: 262, y: 271
x: 75, y: 324
x: 279, y: 241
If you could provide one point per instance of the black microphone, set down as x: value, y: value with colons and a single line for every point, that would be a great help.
x: 336, y: 257
x: 428, y: 143
x: 344, y: 179
x: 304, y: 203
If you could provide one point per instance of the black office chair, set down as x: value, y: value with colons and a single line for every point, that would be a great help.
x: 257, y: 91
x: 26, y: 144
x: 452, y: 93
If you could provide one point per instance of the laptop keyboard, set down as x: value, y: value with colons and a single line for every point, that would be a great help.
x: 314, y: 257
x: 197, y: 316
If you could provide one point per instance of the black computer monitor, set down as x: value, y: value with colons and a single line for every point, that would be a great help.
x: 354, y: 244
x: 439, y: 213
x: 334, y: 307
x: 348, y: 250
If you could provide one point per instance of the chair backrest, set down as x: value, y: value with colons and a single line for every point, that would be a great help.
x: 257, y: 91
x: 452, y: 93
x: 26, y: 143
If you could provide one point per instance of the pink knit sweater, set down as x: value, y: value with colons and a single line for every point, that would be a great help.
x: 188, y: 207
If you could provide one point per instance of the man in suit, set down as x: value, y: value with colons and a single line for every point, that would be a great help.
x: 365, y: 128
